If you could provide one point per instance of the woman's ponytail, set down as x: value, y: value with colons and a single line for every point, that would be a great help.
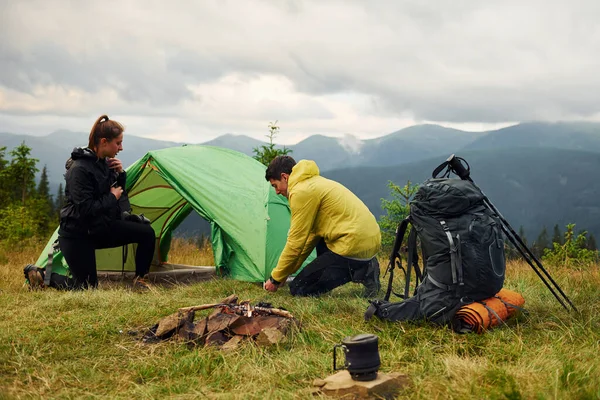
x: 104, y: 128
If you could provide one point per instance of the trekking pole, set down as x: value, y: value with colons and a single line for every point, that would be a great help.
x: 454, y: 164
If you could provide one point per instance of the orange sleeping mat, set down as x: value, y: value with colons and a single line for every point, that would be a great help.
x: 481, y: 316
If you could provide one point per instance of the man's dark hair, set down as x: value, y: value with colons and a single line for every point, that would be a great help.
x: 279, y: 165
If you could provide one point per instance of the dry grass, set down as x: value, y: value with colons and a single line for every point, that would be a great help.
x: 76, y: 345
x: 191, y: 252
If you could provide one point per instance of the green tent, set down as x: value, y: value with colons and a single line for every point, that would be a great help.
x: 249, y: 222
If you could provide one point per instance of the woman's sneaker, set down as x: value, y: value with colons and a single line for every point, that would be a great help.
x: 141, y: 284
x: 33, y: 277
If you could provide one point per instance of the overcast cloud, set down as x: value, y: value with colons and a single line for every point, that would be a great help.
x: 194, y: 70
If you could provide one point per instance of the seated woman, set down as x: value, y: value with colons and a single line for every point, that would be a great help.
x: 92, y: 217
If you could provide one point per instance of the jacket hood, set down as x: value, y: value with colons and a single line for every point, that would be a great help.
x: 303, y: 170
x: 80, y: 153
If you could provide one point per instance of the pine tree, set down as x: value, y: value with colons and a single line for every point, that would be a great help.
x: 43, y: 189
x: 557, y: 236
x: 5, y: 189
x: 60, y: 201
x: 542, y: 242
x: 22, y: 173
x: 266, y: 153
x: 522, y: 235
x: 45, y: 204
x: 591, y: 243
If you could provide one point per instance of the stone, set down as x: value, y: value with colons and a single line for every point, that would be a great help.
x: 232, y: 343
x: 216, y: 339
x: 385, y: 386
x: 269, y: 336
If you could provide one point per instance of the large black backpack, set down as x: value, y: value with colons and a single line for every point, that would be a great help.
x: 463, y: 253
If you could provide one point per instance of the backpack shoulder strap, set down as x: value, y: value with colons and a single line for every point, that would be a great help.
x: 412, y: 262
x: 395, y: 255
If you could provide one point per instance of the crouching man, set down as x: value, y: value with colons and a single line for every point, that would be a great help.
x: 328, y: 216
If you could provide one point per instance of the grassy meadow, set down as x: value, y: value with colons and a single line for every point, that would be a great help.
x: 86, y: 344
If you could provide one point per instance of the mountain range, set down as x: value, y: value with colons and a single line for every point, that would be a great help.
x: 537, y: 174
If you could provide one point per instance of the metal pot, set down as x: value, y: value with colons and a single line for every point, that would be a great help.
x: 361, y: 356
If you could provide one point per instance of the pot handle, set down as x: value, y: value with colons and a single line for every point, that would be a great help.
x: 345, y: 349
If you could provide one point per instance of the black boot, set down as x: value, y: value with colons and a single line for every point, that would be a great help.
x: 371, y: 282
x: 34, y: 277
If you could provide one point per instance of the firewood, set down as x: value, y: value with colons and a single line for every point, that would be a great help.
x: 200, y: 328
x: 172, y: 322
x: 199, y: 308
x: 275, y: 311
x: 220, y: 321
x: 230, y: 299
x: 247, y: 326
x: 229, y: 322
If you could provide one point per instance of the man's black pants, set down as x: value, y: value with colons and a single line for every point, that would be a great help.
x: 81, y: 256
x: 330, y: 270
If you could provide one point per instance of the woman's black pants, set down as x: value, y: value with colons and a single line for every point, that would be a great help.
x: 80, y: 253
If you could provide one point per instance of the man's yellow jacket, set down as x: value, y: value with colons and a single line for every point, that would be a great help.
x: 322, y: 208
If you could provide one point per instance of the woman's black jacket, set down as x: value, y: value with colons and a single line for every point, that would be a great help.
x: 89, y: 204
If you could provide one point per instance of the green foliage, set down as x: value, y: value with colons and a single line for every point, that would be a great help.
x: 573, y: 252
x: 17, y: 222
x: 25, y: 211
x: 266, y: 153
x: 396, y: 210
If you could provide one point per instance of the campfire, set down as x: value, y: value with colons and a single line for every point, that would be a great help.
x: 229, y: 324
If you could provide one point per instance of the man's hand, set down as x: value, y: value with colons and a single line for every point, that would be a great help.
x: 115, y: 163
x: 269, y: 286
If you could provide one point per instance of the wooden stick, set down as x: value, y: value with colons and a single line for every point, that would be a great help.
x: 274, y: 311
x: 201, y: 307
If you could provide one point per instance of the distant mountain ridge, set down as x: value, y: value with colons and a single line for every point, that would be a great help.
x: 54, y: 149
x: 531, y: 187
x: 561, y: 135
x: 407, y: 145
x: 537, y: 173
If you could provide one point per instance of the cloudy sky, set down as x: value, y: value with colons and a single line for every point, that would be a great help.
x: 193, y: 70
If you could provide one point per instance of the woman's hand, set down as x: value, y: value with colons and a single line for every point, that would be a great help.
x: 115, y: 163
x: 117, y: 191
